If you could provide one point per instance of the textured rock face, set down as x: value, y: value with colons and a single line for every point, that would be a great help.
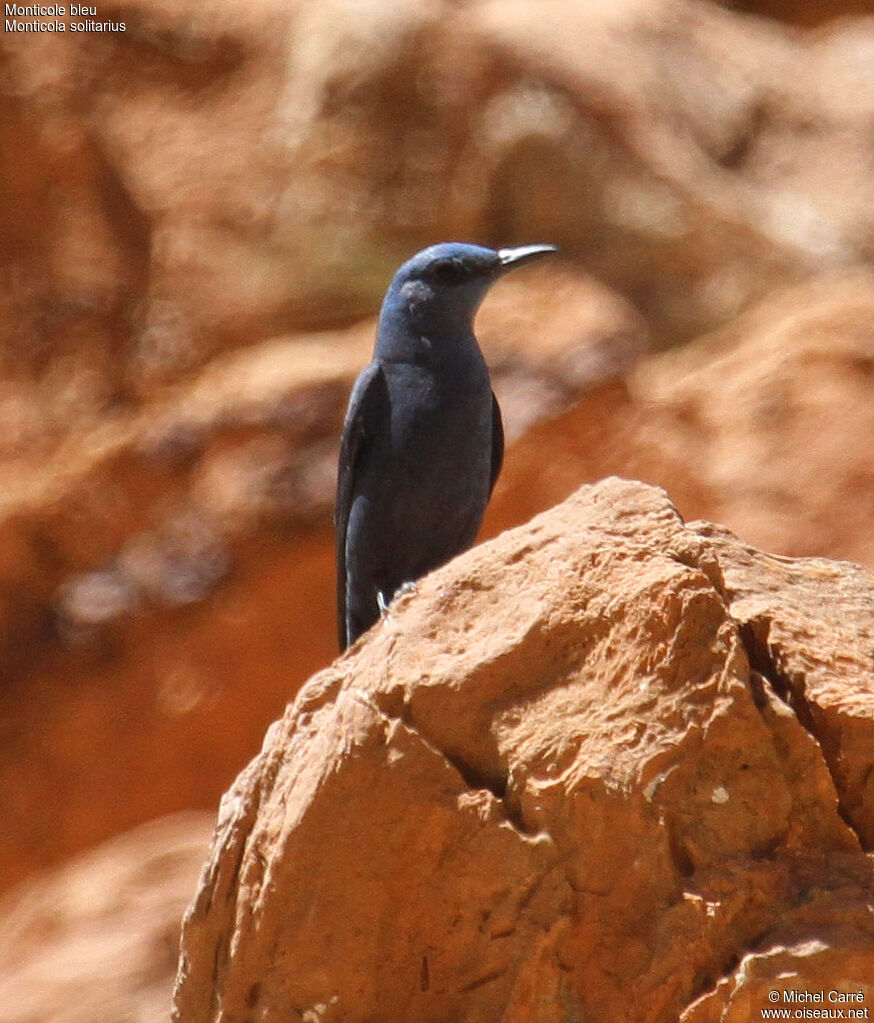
x: 762, y: 426
x: 180, y: 206
x: 645, y: 796
x: 218, y: 174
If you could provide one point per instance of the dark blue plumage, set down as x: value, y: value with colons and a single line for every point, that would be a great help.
x: 422, y: 442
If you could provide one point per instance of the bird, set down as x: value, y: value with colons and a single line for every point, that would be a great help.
x: 422, y: 441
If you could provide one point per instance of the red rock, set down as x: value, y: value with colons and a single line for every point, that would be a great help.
x: 762, y: 426
x: 598, y: 808
x: 180, y: 203
x: 204, y: 182
x: 97, y: 939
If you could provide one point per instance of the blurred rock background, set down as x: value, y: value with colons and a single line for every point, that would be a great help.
x: 198, y: 218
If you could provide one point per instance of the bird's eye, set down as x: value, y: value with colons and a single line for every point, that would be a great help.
x: 449, y: 271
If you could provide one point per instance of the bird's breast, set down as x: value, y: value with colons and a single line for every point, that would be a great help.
x: 430, y: 412
x: 440, y: 441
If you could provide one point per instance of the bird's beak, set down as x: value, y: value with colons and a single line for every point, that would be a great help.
x: 510, y: 258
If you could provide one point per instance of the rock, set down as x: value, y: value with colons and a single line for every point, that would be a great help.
x: 801, y: 12
x: 756, y: 426
x: 767, y: 415
x: 642, y: 797
x: 142, y: 567
x: 800, y: 654
x: 207, y: 181
x: 185, y: 204
x: 97, y: 939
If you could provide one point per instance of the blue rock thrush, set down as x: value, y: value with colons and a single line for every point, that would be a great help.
x: 422, y: 442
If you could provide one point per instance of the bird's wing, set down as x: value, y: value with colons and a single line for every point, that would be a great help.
x: 497, y: 443
x: 367, y: 406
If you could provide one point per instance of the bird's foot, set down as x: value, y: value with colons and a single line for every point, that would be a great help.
x: 384, y: 605
x: 408, y: 587
x: 401, y: 591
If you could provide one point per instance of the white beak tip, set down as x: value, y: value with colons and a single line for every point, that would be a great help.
x: 524, y: 253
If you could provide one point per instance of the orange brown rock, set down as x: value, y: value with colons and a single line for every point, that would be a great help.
x: 762, y: 426
x: 97, y: 938
x: 649, y: 777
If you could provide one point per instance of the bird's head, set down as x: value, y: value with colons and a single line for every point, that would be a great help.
x: 439, y: 290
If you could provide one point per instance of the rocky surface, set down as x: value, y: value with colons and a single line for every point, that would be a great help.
x: 801, y: 12
x: 197, y: 220
x: 218, y: 174
x: 646, y: 796
x: 762, y: 426
x: 97, y: 940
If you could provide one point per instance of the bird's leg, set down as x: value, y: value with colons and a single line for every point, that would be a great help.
x: 382, y: 604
